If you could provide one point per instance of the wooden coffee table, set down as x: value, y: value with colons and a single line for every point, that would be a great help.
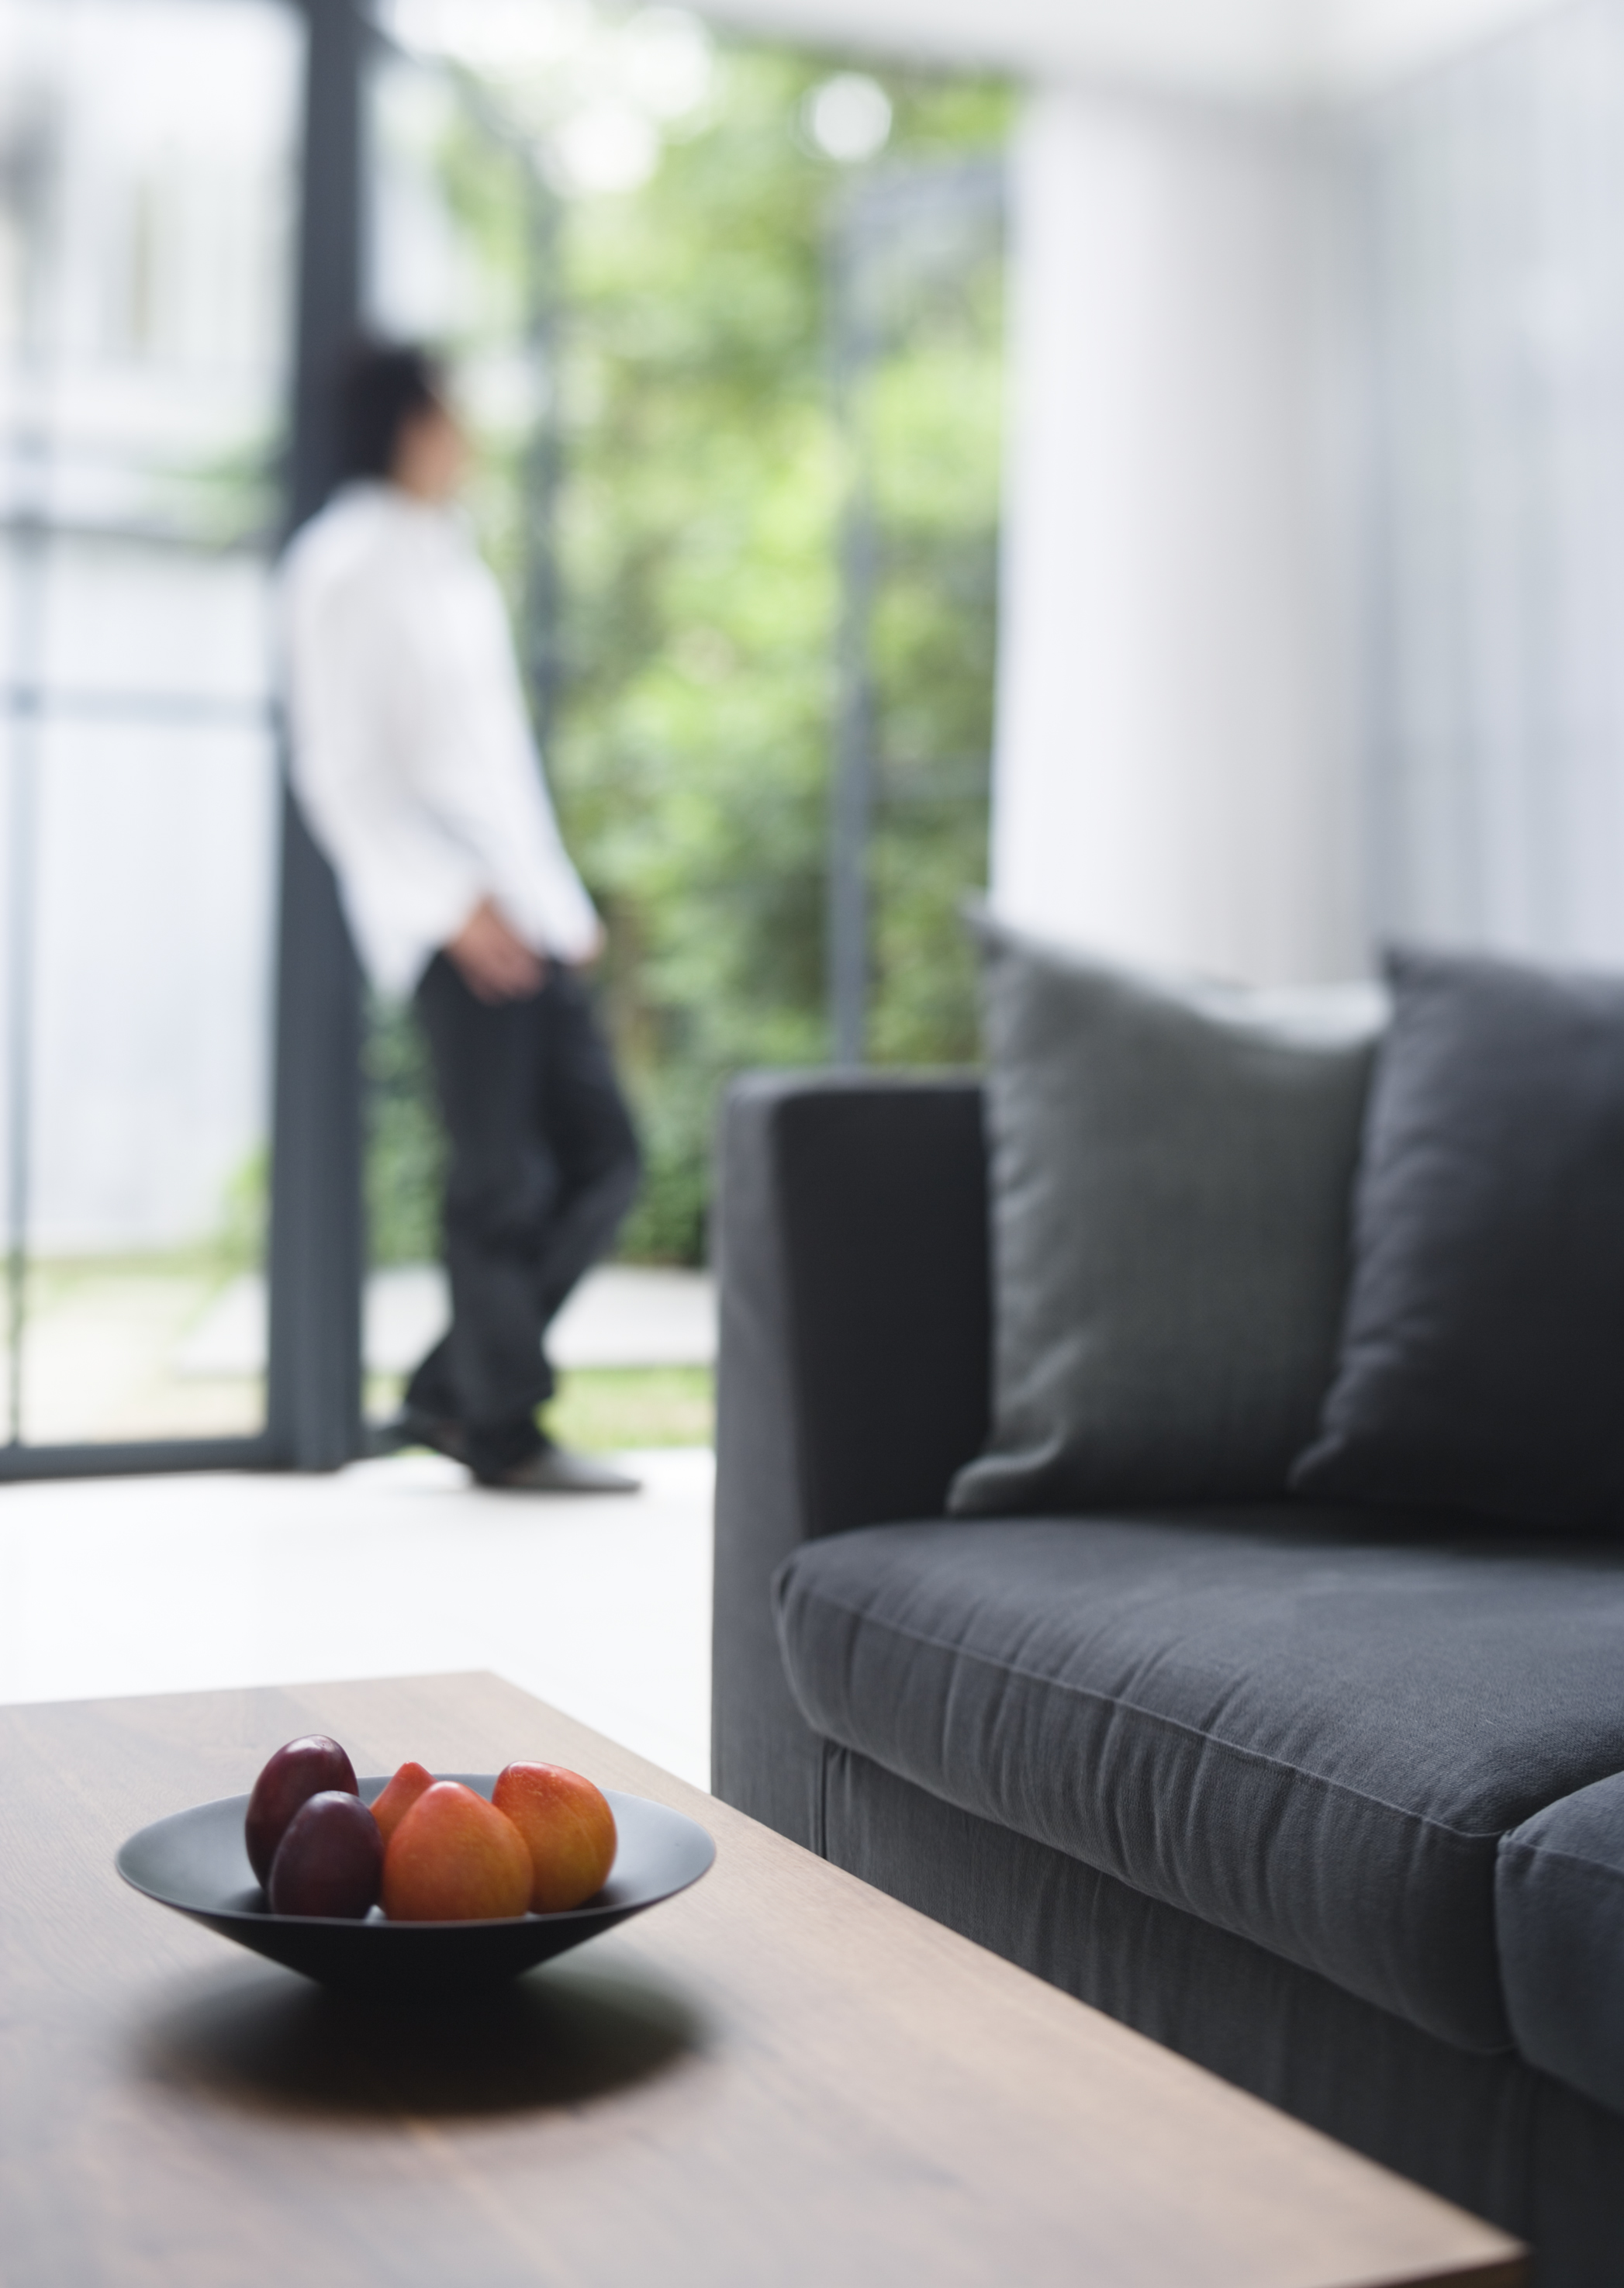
x: 781, y: 2077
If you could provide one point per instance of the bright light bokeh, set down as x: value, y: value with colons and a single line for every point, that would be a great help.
x: 849, y: 118
x: 597, y: 93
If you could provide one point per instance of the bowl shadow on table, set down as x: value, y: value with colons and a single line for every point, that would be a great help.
x: 562, y: 2036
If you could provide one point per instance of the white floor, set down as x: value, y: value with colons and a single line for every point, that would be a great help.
x: 390, y: 1568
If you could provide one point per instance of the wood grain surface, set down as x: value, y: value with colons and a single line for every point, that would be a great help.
x: 781, y: 2077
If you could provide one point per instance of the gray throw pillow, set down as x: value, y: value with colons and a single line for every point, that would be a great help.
x: 1171, y: 1173
x: 1482, y: 1363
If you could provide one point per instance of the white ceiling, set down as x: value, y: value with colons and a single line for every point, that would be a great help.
x: 1270, y: 50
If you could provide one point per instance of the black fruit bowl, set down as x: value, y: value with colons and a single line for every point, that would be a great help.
x: 196, y: 1862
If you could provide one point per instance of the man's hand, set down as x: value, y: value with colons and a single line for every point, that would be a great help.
x: 494, y: 963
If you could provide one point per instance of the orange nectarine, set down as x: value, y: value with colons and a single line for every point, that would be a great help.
x: 454, y: 1858
x: 568, y: 1830
x: 391, y: 1807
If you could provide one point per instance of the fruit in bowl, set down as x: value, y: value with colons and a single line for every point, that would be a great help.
x: 428, y: 1850
x: 454, y: 1858
x: 304, y: 1767
x: 330, y: 1861
x: 390, y: 1808
x: 569, y: 1830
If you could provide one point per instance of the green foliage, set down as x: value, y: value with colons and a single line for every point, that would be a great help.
x: 238, y: 1242
x: 704, y: 477
x: 931, y: 424
x: 404, y: 1151
x: 704, y: 488
x: 608, y: 1409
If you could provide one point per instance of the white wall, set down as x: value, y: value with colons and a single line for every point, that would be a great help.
x: 1171, y: 782
x: 1359, y: 46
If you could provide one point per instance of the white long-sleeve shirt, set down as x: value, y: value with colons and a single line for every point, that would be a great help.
x: 412, y: 755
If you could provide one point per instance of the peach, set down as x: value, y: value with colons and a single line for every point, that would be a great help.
x: 454, y: 1858
x: 568, y: 1830
x: 391, y: 1807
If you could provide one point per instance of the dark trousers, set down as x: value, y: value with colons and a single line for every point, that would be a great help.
x: 543, y: 1166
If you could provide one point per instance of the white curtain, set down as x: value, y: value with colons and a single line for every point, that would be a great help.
x: 1490, y: 203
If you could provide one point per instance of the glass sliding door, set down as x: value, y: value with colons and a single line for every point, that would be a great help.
x: 460, y: 251
x: 149, y: 153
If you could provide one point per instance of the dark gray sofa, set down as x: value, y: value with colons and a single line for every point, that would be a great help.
x: 1325, y: 1800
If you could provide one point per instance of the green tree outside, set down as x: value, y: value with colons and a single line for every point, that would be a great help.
x: 704, y: 476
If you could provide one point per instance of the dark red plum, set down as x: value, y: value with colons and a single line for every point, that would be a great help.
x: 330, y: 1861
x: 302, y: 1768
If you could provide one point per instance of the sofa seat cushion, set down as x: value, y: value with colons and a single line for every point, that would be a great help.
x: 1561, y: 1920
x: 1302, y: 1725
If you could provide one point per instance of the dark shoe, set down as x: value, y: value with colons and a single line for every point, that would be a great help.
x: 412, y: 1426
x: 555, y: 1470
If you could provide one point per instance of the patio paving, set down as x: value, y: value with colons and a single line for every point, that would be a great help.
x: 147, y: 1350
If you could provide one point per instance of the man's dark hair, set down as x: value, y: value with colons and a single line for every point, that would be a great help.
x: 383, y: 385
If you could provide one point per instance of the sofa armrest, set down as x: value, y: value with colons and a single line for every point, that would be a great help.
x: 1559, y: 1925
x: 853, y: 1377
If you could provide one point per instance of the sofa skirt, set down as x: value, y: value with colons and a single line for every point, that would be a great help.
x: 1508, y: 2143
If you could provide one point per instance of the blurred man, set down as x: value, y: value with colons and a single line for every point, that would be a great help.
x: 413, y: 761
